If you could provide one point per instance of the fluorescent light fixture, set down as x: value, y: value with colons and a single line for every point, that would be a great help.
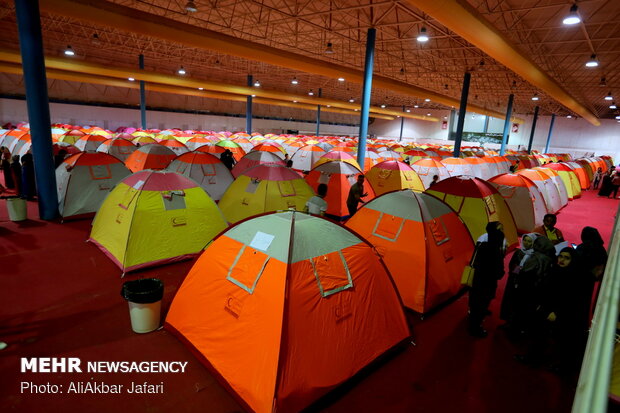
x: 569, y: 116
x: 294, y: 101
x: 383, y: 106
x: 427, y: 100
x: 613, y: 106
x: 609, y: 96
x: 131, y: 79
x: 572, y: 17
x: 294, y: 81
x: 351, y: 100
x: 593, y: 62
x: 341, y: 79
x: 201, y: 88
x: 416, y: 106
x: 428, y: 114
x: 311, y: 93
x: 329, y: 106
x: 535, y: 97
x: 408, y: 111
x: 422, y: 36
x: 618, y: 117
x: 257, y: 83
x: 69, y: 51
x: 181, y: 71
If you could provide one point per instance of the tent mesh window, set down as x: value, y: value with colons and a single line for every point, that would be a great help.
x: 332, y: 273
x: 208, y: 169
x: 100, y: 172
x: 247, y: 268
x: 439, y: 231
x: 286, y: 188
x: 173, y: 200
x: 388, y: 227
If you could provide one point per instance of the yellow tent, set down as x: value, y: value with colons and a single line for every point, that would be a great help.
x: 390, y: 176
x: 153, y: 218
x: 264, y: 188
x: 477, y: 203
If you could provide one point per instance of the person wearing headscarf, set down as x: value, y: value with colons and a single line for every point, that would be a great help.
x: 593, y: 256
x: 509, y: 306
x: 489, y: 268
x: 533, y: 287
x: 563, y: 311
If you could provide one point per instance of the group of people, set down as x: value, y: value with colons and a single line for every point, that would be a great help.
x: 548, y: 295
x: 609, y: 182
x: 18, y: 173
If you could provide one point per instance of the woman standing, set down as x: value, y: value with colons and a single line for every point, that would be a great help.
x: 510, y: 306
x: 489, y: 268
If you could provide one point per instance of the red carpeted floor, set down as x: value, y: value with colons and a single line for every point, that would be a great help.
x: 60, y: 297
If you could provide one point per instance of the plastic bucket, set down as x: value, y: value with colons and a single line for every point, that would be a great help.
x: 18, y: 210
x: 144, y: 298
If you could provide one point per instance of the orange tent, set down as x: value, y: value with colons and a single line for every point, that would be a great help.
x: 427, y: 168
x: 422, y: 241
x: 477, y: 202
x: 154, y: 156
x: 254, y: 158
x: 524, y: 199
x: 285, y: 314
x: 393, y: 175
x: 457, y: 166
x: 338, y: 176
x: 582, y: 175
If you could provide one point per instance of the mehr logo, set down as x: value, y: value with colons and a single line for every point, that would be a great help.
x: 51, y: 365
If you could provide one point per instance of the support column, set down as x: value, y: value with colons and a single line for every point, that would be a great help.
x: 529, y: 145
x: 550, y: 132
x: 142, y: 95
x: 451, y: 129
x: 33, y: 64
x: 318, y: 115
x: 502, y: 151
x: 462, y: 112
x: 402, y: 125
x: 248, y: 109
x: 367, y: 88
x: 486, y: 124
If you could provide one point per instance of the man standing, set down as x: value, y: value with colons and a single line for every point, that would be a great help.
x: 356, y: 193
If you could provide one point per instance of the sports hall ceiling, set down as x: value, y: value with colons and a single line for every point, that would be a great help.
x: 406, y: 71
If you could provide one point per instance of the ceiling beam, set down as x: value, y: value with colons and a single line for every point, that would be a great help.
x: 464, y: 20
x: 57, y: 74
x: 128, y: 19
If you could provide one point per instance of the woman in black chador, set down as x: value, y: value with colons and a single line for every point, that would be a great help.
x: 489, y: 268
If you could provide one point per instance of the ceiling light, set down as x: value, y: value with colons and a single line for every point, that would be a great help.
x: 341, y: 79
x: 131, y: 79
x: 253, y: 96
x: 294, y: 81
x: 357, y: 110
x: 351, y: 100
x: 383, y: 106
x: 329, y: 106
x: 427, y: 100
x: 593, y: 62
x: 535, y: 97
x: 257, y: 83
x: 181, y: 71
x: 408, y: 111
x: 416, y: 106
x: 311, y: 93
x: 428, y: 114
x: 423, y: 36
x: 569, y: 116
x: 69, y: 51
x: 613, y: 105
x: 618, y: 117
x: 398, y: 116
x: 294, y: 101
x: 572, y: 17
x: 329, y: 49
x: 201, y: 88
x: 609, y: 96
x: 191, y: 7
